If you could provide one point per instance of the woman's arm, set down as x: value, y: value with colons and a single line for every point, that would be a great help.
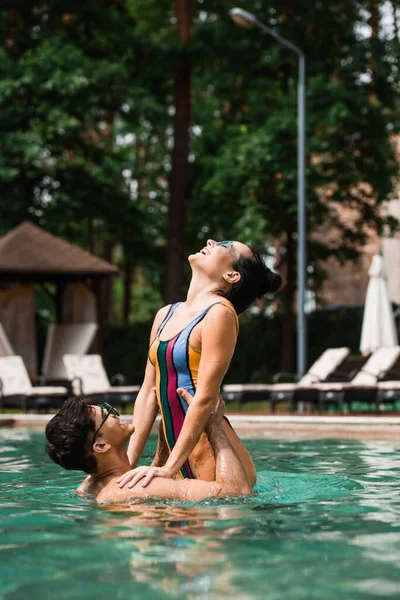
x: 217, y: 347
x: 218, y: 342
x: 144, y: 410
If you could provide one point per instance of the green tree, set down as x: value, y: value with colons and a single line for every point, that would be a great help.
x: 244, y: 179
x: 94, y: 116
x: 82, y: 144
x: 179, y: 176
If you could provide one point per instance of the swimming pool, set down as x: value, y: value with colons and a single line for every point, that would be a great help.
x: 325, y: 525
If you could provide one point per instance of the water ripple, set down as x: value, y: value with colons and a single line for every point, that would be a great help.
x: 323, y: 523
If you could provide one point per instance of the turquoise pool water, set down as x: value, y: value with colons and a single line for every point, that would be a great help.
x: 325, y: 524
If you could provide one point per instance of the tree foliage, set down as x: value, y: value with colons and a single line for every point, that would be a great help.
x: 87, y: 126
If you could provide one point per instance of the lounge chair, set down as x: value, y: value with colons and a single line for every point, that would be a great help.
x: 327, y: 363
x: 65, y: 339
x: 5, y: 347
x: 388, y: 392
x: 16, y: 390
x: 89, y: 378
x: 364, y: 386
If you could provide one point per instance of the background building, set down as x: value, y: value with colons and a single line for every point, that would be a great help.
x: 346, y: 285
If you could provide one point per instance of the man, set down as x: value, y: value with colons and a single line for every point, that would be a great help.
x: 92, y: 439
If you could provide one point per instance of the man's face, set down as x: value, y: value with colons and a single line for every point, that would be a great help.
x: 109, y: 428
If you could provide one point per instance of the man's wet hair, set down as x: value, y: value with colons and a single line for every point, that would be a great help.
x: 69, y: 436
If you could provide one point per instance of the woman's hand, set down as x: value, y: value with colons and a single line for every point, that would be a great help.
x: 131, y: 478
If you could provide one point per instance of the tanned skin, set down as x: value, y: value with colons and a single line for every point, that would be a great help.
x: 112, y: 463
x: 215, y: 339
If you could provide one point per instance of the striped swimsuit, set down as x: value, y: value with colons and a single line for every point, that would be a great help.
x: 177, y: 365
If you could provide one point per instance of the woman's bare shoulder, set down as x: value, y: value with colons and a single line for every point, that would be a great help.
x: 163, y: 310
x: 221, y: 316
x: 222, y: 310
x: 161, y: 313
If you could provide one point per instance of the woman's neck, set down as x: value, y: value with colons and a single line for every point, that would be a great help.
x: 200, y: 288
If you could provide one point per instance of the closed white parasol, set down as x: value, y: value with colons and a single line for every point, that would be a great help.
x: 378, y: 327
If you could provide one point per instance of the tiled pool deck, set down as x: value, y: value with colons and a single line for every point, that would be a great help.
x: 273, y: 426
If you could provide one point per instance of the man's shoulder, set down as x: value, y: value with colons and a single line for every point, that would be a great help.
x: 164, y: 489
x: 109, y: 493
x: 114, y: 494
x: 158, y: 488
x: 161, y: 488
x: 85, y: 487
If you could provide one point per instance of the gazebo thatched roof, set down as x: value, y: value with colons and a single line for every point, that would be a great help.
x: 31, y: 253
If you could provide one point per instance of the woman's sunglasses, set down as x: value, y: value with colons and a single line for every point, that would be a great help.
x: 227, y: 244
x: 110, y: 411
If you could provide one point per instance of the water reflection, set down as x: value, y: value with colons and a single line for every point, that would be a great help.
x: 177, y: 549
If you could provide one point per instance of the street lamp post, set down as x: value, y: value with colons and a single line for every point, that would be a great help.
x: 246, y: 19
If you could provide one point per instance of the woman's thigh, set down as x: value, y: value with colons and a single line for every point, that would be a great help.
x: 241, y: 452
x: 202, y: 461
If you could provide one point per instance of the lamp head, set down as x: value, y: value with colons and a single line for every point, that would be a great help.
x: 242, y: 18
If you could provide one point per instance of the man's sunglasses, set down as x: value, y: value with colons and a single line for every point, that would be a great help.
x: 110, y: 411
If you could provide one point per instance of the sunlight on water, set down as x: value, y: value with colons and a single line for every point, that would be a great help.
x: 324, y: 524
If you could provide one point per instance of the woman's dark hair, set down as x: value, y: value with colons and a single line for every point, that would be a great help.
x: 69, y: 435
x: 255, y: 281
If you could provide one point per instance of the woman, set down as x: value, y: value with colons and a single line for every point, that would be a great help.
x: 191, y: 347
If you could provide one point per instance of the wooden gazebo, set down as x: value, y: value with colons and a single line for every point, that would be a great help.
x: 31, y: 255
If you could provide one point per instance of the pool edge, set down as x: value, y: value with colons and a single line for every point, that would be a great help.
x: 294, y: 427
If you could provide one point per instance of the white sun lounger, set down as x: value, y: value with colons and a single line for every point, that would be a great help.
x: 388, y: 392
x: 324, y: 366
x: 16, y: 388
x: 65, y: 339
x: 89, y: 378
x: 365, y: 384
x: 5, y: 347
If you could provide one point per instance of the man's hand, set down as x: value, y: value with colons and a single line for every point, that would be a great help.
x: 219, y: 409
x: 152, y: 397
